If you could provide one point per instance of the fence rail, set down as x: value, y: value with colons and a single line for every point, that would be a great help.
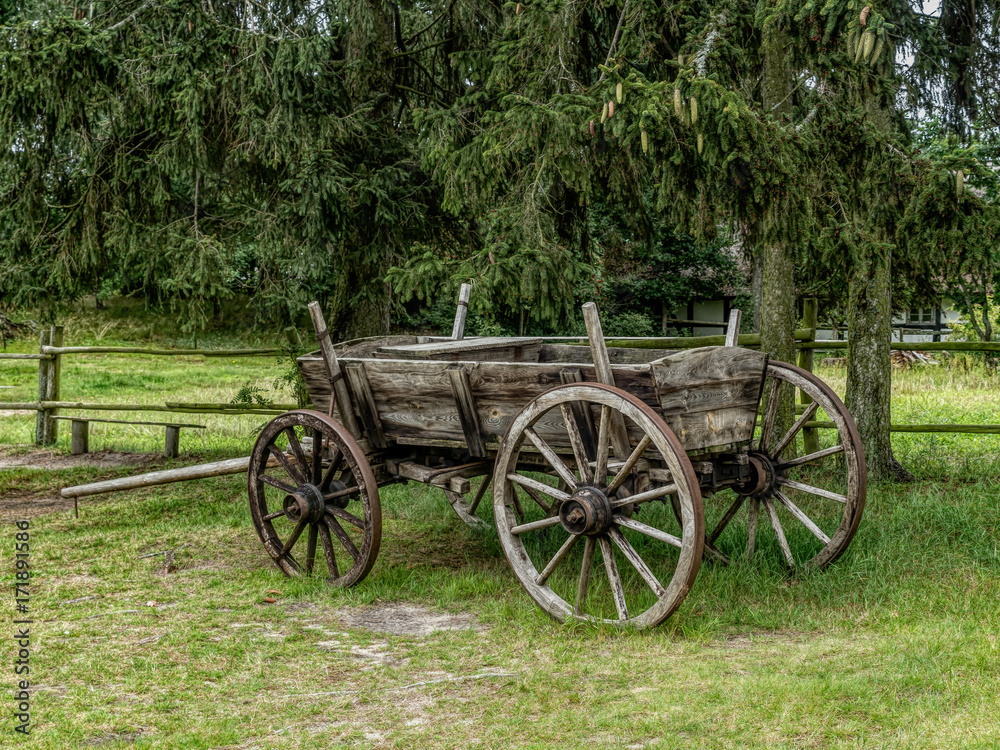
x: 49, y: 357
x: 51, y: 351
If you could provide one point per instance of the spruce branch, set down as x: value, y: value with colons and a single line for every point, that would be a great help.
x: 132, y: 16
x: 714, y: 31
x: 614, y: 43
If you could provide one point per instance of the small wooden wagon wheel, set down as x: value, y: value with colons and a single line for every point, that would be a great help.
x: 320, y: 492
x: 812, y: 502
x: 550, y: 536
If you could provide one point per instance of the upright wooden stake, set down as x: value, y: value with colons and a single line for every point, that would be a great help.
x: 339, y: 393
x: 602, y: 364
x: 43, y: 388
x: 810, y: 317
x: 52, y: 392
x: 79, y: 437
x: 458, y: 330
x: 733, y: 329
x: 172, y: 441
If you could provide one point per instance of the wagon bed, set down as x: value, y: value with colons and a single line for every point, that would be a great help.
x: 412, y: 390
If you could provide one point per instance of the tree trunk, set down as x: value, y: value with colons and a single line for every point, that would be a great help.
x: 776, y: 314
x: 869, y: 309
x: 869, y: 369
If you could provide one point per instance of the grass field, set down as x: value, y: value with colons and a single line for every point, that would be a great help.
x: 895, y: 645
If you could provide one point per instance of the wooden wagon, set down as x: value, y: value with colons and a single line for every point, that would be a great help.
x: 585, y: 449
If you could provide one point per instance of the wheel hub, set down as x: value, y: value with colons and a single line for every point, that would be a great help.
x: 588, y: 511
x: 763, y: 477
x: 306, y: 502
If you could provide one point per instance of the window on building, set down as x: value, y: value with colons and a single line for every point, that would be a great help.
x: 921, y: 315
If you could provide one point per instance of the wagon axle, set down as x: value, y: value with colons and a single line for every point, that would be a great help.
x: 306, y: 502
x: 588, y: 511
x: 761, y: 477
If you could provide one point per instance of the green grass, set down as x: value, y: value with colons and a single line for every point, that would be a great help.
x: 895, y: 645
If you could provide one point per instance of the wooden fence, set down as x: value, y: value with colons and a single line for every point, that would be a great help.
x: 51, y: 351
x: 50, y: 355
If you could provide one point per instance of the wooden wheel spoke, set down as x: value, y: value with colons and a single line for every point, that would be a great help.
x: 272, y: 516
x: 331, y: 559
x: 584, y: 581
x: 331, y: 469
x: 576, y: 440
x: 769, y: 415
x: 345, y: 540
x: 629, y: 464
x: 819, y: 492
x: 802, y: 517
x: 724, y: 521
x: 317, y: 457
x: 538, y: 486
x: 603, y: 446
x: 614, y: 578
x: 651, y: 531
x: 286, y: 488
x: 554, y: 461
x: 794, y: 429
x: 810, y: 457
x: 342, y: 514
x: 772, y: 513
x: 484, y: 485
x: 294, y: 536
x: 353, y: 490
x: 754, y: 513
x: 296, y: 446
x: 311, y: 547
x: 637, y: 562
x: 548, y: 508
x: 535, y: 525
x: 556, y: 559
x: 642, y: 497
x: 291, y: 470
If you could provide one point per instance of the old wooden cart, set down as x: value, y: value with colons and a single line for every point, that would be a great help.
x: 585, y: 449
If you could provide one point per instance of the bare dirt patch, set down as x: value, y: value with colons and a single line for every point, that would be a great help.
x: 50, y: 461
x: 402, y: 618
x: 17, y: 504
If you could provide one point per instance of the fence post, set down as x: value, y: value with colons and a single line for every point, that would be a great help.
x: 52, y: 387
x: 43, y: 388
x: 810, y: 435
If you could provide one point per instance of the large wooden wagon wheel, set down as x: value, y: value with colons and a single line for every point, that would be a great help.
x: 810, y: 502
x: 551, y: 537
x: 315, y: 492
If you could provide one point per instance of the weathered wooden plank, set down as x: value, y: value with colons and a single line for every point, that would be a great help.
x: 468, y: 414
x: 364, y: 400
x: 415, y: 401
x: 132, y: 421
x: 605, y: 374
x: 496, y: 349
x: 439, y: 476
x: 458, y: 329
x: 709, y: 396
x: 334, y: 375
x: 571, y: 354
